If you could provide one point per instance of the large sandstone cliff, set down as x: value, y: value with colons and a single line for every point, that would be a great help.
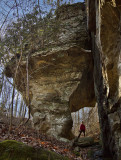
x: 60, y: 77
x: 104, y: 22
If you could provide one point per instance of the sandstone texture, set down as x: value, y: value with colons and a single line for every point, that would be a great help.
x: 60, y: 77
x: 106, y: 46
x: 84, y: 142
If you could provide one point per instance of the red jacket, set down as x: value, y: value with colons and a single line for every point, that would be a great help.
x: 82, y: 127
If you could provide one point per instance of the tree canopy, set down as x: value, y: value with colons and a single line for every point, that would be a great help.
x: 26, y: 23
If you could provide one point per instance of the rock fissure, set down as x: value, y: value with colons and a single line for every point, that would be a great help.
x: 106, y: 53
x: 68, y: 75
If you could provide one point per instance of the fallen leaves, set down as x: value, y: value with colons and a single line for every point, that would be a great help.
x: 36, y: 139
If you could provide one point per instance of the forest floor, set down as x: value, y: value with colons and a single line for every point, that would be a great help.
x: 31, y: 137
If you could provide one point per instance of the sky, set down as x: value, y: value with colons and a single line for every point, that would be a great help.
x: 9, y: 10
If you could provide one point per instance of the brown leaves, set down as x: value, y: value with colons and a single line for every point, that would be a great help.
x: 36, y: 139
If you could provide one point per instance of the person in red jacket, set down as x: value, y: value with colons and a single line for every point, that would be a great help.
x: 82, y: 129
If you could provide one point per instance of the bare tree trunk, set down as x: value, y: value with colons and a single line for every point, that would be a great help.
x: 83, y: 114
x: 24, y: 114
x: 27, y: 87
x: 16, y: 104
x: 58, y: 3
x: 23, y: 111
x: 18, y: 64
x: 20, y: 110
x: 78, y: 119
x: 11, y: 115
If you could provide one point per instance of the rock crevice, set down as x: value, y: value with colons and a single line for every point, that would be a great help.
x: 61, y: 76
x: 106, y: 52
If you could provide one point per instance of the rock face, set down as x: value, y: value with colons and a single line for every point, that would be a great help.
x: 106, y: 39
x: 60, y: 78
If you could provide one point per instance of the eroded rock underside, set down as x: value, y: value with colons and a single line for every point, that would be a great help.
x: 60, y: 77
x: 106, y: 39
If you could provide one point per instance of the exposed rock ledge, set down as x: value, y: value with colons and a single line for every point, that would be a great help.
x: 105, y: 27
x: 60, y: 78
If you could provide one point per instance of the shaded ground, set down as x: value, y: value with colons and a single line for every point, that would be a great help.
x: 13, y: 150
x: 36, y: 139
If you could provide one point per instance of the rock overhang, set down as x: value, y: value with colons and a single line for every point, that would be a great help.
x: 60, y: 77
x: 71, y: 66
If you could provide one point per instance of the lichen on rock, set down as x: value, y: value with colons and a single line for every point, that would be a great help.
x: 60, y: 77
x: 57, y: 73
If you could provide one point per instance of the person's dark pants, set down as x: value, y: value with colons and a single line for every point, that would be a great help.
x: 81, y: 133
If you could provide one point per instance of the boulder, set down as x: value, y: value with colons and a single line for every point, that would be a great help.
x: 84, y: 142
x: 13, y: 150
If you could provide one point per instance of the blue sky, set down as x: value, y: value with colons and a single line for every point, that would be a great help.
x: 9, y: 12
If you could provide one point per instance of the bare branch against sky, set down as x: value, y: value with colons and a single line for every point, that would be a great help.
x: 10, y: 10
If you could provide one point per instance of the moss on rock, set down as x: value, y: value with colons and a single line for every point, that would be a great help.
x: 13, y: 150
x: 84, y: 142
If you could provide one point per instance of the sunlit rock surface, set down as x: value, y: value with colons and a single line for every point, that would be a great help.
x: 106, y: 40
x: 60, y: 77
